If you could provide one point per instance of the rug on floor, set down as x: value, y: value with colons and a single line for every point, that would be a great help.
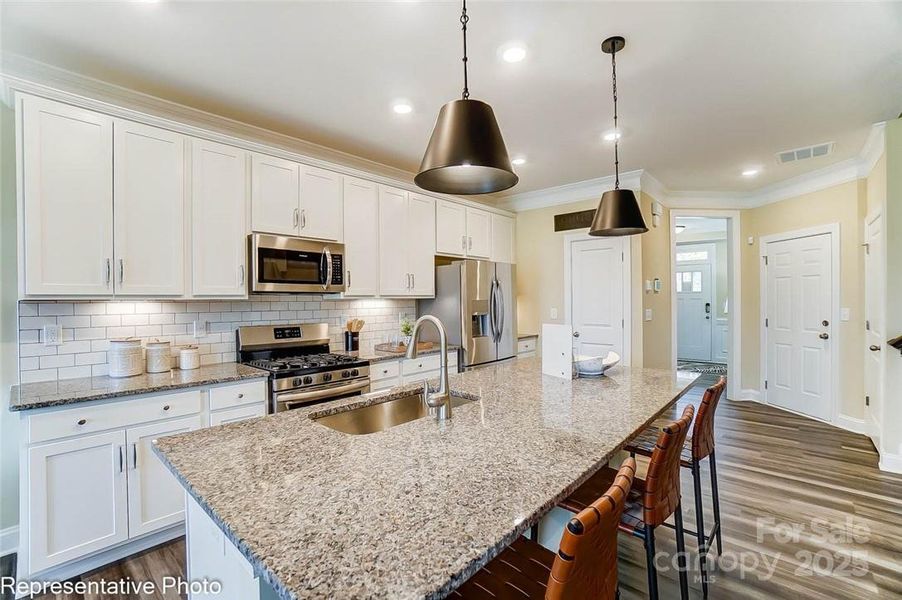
x: 702, y: 367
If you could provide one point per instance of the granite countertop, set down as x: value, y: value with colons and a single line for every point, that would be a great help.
x: 69, y: 391
x: 375, y: 356
x: 415, y: 510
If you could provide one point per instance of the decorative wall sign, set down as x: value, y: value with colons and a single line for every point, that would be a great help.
x: 574, y: 220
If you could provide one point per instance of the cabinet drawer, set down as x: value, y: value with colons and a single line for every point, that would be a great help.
x: 526, y: 345
x: 384, y: 384
x: 420, y: 365
x: 227, y: 396
x: 419, y: 377
x: 88, y: 419
x: 385, y: 369
x: 239, y: 413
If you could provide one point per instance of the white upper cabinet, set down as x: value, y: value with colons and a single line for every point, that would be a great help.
x: 275, y: 195
x: 219, y: 194
x: 450, y: 228
x: 67, y: 191
x: 479, y: 233
x: 502, y: 239
x: 421, y: 244
x: 149, y: 210
x: 394, y: 276
x: 361, y: 234
x: 320, y: 204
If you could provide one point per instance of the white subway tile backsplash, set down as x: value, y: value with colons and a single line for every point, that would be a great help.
x: 88, y: 326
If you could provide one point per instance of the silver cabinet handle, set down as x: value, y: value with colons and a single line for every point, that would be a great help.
x: 109, y: 272
x: 121, y: 460
x: 82, y: 421
x: 295, y: 217
x: 463, y: 242
x: 135, y: 455
x: 240, y: 275
x: 121, y: 270
x: 349, y: 278
x: 413, y: 281
x: 471, y: 243
x: 303, y: 218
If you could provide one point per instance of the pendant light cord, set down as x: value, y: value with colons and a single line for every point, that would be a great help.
x: 616, y: 131
x: 463, y: 22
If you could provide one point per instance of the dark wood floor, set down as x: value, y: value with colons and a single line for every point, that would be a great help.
x: 779, y: 473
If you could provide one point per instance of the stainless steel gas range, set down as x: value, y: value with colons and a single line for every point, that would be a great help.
x: 301, y: 368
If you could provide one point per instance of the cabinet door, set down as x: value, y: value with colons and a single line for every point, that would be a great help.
x: 361, y: 224
x: 67, y: 177
x: 502, y: 239
x: 219, y: 208
x: 450, y: 228
x: 77, y: 493
x: 275, y: 195
x: 239, y: 413
x: 149, y: 210
x: 321, y: 207
x: 394, y: 277
x: 479, y: 233
x: 155, y: 497
x: 421, y: 245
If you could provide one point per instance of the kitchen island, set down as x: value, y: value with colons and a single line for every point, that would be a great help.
x: 413, y: 511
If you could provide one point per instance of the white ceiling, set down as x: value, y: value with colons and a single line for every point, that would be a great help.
x: 706, y: 89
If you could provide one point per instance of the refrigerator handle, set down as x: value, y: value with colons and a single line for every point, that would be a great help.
x: 500, y: 311
x: 492, y: 311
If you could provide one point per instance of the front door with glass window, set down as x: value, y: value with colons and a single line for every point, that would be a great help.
x: 695, y: 301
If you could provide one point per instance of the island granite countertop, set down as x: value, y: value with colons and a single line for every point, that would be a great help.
x: 84, y: 389
x: 413, y: 511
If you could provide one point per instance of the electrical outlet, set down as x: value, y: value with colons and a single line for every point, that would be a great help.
x: 200, y: 329
x: 845, y: 314
x: 53, y: 335
x: 648, y: 314
x: 554, y: 312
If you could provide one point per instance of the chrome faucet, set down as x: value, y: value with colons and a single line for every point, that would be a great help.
x: 439, y: 402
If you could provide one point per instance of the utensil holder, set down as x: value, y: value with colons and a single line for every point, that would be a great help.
x: 352, y: 341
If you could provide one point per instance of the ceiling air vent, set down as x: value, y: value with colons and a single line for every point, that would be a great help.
x: 788, y: 156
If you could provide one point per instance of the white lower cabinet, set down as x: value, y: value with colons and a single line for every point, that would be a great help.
x: 155, y: 497
x: 392, y: 373
x: 78, y: 494
x: 91, y: 483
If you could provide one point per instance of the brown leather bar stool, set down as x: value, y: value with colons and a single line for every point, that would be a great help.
x: 695, y: 450
x: 651, y: 501
x: 585, y: 566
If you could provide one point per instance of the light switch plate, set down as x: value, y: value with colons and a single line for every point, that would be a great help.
x: 845, y: 314
x: 200, y: 329
x: 53, y: 335
x: 648, y: 314
x: 554, y: 312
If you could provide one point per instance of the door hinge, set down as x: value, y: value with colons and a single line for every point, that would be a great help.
x: 867, y: 248
x: 765, y: 261
x: 765, y: 384
x: 867, y: 325
x: 867, y: 400
x: 622, y: 256
x: 766, y: 322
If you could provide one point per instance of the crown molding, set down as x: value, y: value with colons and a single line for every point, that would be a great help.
x: 19, y: 74
x: 590, y: 189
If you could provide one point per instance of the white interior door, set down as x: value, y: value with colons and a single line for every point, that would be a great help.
x: 799, y: 309
x: 695, y: 301
x: 596, y: 297
x: 875, y: 334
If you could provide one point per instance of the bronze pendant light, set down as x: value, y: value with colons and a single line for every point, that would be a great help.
x: 466, y: 153
x: 618, y: 212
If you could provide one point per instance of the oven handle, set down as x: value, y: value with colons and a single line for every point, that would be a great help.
x: 295, y: 398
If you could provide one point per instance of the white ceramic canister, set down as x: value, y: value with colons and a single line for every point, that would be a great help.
x: 125, y: 357
x: 159, y: 356
x: 189, y: 358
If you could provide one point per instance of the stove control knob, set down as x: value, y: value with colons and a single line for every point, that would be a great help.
x: 354, y: 372
x: 327, y: 376
x: 345, y: 373
x: 308, y: 379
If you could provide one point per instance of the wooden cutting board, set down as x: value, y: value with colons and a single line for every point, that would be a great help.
x: 401, y: 348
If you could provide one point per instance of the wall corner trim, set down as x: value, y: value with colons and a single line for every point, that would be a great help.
x: 891, y: 463
x: 748, y: 396
x: 852, y: 424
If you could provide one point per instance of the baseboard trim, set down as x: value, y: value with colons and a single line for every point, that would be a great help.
x: 748, y: 396
x: 850, y: 424
x: 9, y: 540
x: 891, y: 463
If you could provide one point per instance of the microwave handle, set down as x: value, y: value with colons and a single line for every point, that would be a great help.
x: 328, y: 256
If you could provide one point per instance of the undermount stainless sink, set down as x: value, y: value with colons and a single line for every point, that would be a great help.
x: 381, y: 416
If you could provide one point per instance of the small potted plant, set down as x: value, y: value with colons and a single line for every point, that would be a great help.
x: 406, y: 331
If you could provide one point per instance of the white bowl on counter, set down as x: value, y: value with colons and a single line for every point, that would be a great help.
x: 595, y: 366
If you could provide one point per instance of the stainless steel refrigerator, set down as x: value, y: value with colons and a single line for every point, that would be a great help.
x: 474, y: 299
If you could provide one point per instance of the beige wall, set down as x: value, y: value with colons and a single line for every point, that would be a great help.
x: 844, y: 204
x: 540, y: 278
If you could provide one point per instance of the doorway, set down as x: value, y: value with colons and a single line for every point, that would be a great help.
x: 596, y: 284
x: 800, y: 297
x: 702, y: 276
x: 875, y: 332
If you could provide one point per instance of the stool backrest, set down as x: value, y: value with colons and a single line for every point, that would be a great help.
x: 703, y: 429
x: 586, y: 563
x: 662, y: 482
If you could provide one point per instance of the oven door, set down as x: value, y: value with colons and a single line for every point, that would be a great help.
x: 283, y: 401
x: 289, y: 264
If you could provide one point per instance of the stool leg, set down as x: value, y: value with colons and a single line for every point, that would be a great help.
x: 700, y: 526
x: 716, y: 500
x: 650, y: 560
x: 681, y: 552
x: 534, y: 533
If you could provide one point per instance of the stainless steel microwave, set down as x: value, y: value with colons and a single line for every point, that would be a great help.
x: 281, y: 264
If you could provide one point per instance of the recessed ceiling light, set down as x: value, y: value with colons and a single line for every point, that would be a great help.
x: 520, y: 160
x: 402, y: 108
x: 750, y: 172
x: 612, y: 135
x: 512, y: 52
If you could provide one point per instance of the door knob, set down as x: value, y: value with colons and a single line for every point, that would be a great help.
x: 575, y: 334
x: 825, y: 323
x: 824, y: 336
x: 874, y: 348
